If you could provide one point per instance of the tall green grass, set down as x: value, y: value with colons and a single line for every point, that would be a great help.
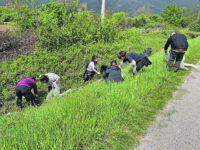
x: 69, y: 63
x: 98, y: 115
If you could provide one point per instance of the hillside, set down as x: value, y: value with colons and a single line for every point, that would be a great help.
x: 130, y: 5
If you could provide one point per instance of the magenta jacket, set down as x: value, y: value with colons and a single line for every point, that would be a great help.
x: 30, y: 83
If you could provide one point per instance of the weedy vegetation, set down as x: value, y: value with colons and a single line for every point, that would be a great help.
x: 95, y: 115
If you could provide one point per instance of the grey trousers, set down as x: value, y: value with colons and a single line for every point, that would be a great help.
x: 56, y: 91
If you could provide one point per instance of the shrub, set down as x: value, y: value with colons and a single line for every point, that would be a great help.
x: 185, y: 21
x: 119, y: 19
x: 156, y: 18
x: 24, y: 16
x: 195, y: 26
x: 5, y: 14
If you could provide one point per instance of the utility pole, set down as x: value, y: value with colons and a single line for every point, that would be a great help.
x: 103, y: 9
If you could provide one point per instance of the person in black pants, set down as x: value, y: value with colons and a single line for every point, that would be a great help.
x: 24, y: 89
x: 137, y: 60
x: 179, y: 46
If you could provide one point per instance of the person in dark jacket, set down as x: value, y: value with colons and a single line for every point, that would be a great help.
x: 179, y: 46
x: 113, y: 73
x: 24, y: 89
x: 137, y: 60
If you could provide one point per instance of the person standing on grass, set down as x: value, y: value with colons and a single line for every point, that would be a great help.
x: 137, y: 60
x: 24, y: 89
x: 91, y: 69
x: 179, y: 46
x: 113, y: 73
x: 53, y: 81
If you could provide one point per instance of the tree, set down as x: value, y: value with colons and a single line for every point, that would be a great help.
x: 173, y: 14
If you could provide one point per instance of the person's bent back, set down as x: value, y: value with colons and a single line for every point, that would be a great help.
x: 177, y: 42
x: 23, y: 88
x: 179, y: 46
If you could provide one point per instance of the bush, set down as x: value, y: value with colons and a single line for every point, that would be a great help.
x: 140, y: 21
x: 195, y: 26
x: 24, y: 16
x: 5, y: 15
x: 156, y: 18
x: 185, y: 21
x: 119, y: 19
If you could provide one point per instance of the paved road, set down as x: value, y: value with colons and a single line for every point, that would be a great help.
x: 178, y: 126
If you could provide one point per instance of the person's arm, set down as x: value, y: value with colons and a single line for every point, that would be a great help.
x: 134, y: 66
x: 121, y: 64
x: 167, y: 45
x: 95, y: 71
x: 35, y: 87
x: 58, y: 79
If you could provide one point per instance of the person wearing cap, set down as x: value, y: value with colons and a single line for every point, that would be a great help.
x: 23, y: 88
x: 137, y: 60
x: 179, y: 46
x: 53, y: 81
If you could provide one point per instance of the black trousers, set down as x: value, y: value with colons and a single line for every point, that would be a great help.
x: 144, y: 62
x: 88, y: 75
x: 175, y: 59
x: 26, y: 92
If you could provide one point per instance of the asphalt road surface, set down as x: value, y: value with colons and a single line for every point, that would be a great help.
x: 178, y: 125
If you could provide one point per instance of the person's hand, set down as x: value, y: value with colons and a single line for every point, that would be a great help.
x: 98, y: 73
x: 134, y: 72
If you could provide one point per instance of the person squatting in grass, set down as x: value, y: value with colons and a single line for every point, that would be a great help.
x: 23, y: 88
x: 137, y: 60
x: 112, y: 73
x: 91, y: 69
x: 179, y: 46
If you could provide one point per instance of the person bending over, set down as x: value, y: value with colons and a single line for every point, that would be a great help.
x: 179, y: 46
x: 53, y: 81
x: 23, y: 88
x: 91, y: 69
x: 137, y: 60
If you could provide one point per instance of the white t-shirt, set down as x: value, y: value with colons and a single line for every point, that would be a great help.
x: 91, y: 66
x: 52, y: 78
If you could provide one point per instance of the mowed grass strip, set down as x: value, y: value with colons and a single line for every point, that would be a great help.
x: 98, y: 115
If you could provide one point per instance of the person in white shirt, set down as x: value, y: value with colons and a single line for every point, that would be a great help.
x: 91, y: 69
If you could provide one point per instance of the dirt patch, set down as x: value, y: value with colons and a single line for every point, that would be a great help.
x: 13, y: 46
x: 4, y: 28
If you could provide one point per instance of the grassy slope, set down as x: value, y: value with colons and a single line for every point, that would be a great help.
x: 69, y: 63
x: 99, y: 115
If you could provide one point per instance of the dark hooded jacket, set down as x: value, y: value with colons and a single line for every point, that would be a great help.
x: 113, y: 73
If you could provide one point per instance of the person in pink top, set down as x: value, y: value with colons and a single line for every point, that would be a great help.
x: 24, y: 89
